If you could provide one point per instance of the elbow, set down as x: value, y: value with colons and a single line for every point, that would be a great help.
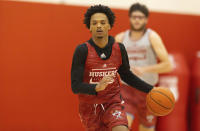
x: 74, y: 89
x: 169, y: 66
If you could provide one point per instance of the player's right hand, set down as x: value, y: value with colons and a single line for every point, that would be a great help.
x: 104, y: 82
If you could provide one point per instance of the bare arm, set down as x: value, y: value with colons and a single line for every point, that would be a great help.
x: 164, y: 65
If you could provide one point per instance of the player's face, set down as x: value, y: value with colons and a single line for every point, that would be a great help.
x: 99, y: 25
x: 138, y: 21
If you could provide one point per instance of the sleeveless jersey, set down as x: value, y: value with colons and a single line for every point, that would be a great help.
x: 96, y: 69
x: 140, y: 54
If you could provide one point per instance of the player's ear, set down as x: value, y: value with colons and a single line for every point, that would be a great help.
x: 90, y: 29
x: 109, y: 27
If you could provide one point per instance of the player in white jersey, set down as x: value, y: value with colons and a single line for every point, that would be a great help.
x: 144, y: 47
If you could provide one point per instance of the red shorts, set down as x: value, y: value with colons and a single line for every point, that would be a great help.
x: 135, y: 102
x: 102, y: 117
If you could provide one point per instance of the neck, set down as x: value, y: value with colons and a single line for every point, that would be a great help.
x: 136, y: 35
x: 100, y: 42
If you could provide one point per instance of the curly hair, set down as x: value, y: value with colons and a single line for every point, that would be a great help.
x: 139, y: 7
x: 99, y: 9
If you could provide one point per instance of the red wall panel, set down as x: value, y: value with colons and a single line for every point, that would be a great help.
x: 36, y: 47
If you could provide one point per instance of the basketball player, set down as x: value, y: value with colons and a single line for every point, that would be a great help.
x: 143, y: 46
x: 95, y: 66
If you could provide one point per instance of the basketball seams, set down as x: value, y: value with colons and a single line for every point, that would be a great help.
x: 159, y: 103
x: 153, y: 110
x: 164, y: 95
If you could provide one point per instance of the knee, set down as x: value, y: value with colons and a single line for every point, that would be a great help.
x: 145, y: 128
x: 130, y: 119
x: 120, y: 128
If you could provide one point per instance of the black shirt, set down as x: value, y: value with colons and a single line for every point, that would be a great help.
x: 78, y: 65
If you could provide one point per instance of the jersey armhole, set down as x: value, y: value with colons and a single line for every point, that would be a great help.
x: 120, y: 51
x: 86, y: 43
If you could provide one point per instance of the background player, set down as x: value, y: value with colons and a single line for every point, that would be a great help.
x: 94, y: 74
x: 143, y: 46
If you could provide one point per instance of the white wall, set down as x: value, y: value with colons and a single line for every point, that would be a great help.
x: 170, y: 6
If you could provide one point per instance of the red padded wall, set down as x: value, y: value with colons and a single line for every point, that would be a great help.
x: 36, y: 47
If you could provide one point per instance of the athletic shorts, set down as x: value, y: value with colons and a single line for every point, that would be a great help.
x: 102, y: 117
x: 135, y: 103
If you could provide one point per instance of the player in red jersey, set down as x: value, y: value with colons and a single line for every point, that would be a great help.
x: 95, y: 66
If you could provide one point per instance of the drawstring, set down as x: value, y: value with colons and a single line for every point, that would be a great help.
x: 102, y: 107
x: 95, y: 106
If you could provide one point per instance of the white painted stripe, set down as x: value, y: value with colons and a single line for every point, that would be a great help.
x: 168, y: 6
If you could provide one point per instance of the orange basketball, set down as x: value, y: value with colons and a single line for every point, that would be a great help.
x: 160, y: 101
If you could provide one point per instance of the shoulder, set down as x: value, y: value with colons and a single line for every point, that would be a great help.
x: 81, y: 49
x: 154, y: 35
x: 81, y: 46
x: 122, y: 47
x: 155, y: 39
x: 119, y: 37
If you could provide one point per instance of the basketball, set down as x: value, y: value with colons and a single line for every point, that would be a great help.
x: 160, y: 101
